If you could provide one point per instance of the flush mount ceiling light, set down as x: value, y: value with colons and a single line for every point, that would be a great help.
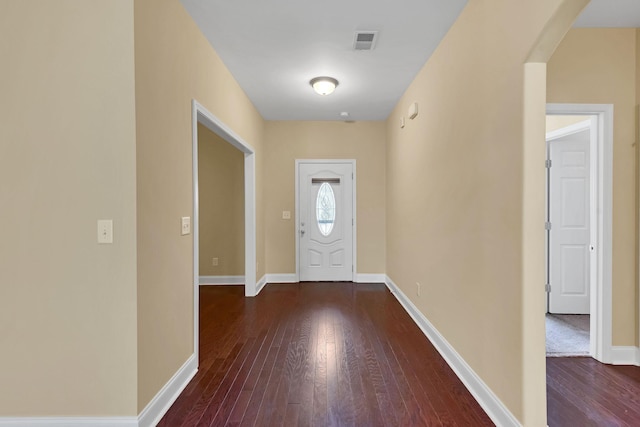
x: 324, y: 85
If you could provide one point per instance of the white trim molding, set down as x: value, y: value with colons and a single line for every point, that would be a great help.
x: 282, y: 278
x: 275, y: 279
x: 68, y: 421
x: 221, y: 280
x: 160, y: 404
x: 492, y: 405
x: 370, y: 278
x: 261, y: 284
x: 625, y: 355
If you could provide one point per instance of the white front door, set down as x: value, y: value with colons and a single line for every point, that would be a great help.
x: 569, y: 222
x: 325, y: 221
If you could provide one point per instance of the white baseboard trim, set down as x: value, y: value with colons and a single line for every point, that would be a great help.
x: 261, y: 284
x: 221, y: 280
x: 160, y: 404
x: 492, y: 405
x: 291, y: 278
x: 282, y: 278
x: 69, y: 421
x: 625, y: 355
x: 370, y: 278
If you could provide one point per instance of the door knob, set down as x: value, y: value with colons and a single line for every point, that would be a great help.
x: 302, y: 232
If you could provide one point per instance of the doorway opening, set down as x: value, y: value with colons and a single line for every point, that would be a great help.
x: 569, y: 209
x: 588, y: 200
x: 221, y: 210
x: 200, y: 115
x: 325, y: 215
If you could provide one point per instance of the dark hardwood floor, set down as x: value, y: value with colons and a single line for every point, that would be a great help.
x: 326, y: 354
x: 317, y: 354
x: 583, y: 392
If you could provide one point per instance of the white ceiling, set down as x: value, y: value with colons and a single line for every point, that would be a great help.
x: 610, y: 13
x: 273, y: 48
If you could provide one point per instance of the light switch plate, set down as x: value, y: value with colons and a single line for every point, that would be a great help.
x: 105, y: 231
x: 186, y: 226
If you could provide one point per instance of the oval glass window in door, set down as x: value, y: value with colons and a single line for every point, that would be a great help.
x: 325, y: 209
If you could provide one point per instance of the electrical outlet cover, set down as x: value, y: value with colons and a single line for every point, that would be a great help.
x: 105, y: 231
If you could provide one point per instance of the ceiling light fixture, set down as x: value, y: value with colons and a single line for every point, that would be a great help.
x: 324, y: 85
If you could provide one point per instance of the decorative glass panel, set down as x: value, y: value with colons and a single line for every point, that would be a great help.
x: 325, y: 209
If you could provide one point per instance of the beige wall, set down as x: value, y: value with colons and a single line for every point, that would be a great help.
x: 67, y: 159
x: 465, y: 193
x: 287, y: 141
x: 638, y: 177
x: 638, y: 66
x: 221, y: 203
x: 174, y: 64
x: 555, y: 122
x: 598, y: 66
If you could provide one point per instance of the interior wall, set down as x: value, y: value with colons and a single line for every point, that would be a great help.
x: 67, y: 159
x: 638, y: 178
x: 464, y: 199
x: 555, y: 122
x: 637, y: 65
x: 221, y: 203
x: 175, y: 64
x: 598, y: 66
x: 287, y: 141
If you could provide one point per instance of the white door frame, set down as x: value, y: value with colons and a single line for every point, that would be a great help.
x: 352, y: 162
x: 200, y: 114
x: 601, y: 232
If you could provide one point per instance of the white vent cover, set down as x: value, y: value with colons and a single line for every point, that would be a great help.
x: 365, y: 40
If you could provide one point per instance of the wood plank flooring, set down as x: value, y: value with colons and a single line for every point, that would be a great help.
x: 317, y: 354
x: 583, y: 392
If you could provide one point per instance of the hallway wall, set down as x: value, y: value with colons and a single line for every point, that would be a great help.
x: 287, y: 141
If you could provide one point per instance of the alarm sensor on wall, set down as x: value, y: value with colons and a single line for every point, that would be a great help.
x: 413, y: 110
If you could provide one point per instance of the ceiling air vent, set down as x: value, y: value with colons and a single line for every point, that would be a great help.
x: 365, y: 40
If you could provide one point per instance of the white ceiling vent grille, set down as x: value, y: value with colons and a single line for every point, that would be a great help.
x: 365, y: 40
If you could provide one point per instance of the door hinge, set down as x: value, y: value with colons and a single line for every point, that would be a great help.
x: 353, y: 221
x: 547, y: 163
x: 351, y: 175
x: 547, y: 287
x: 547, y: 225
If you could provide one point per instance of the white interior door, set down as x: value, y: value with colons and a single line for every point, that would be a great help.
x: 325, y: 221
x: 569, y: 222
